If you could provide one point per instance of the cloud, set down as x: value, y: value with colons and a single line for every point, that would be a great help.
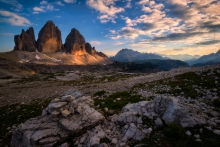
x: 115, y: 37
x: 7, y: 34
x: 13, y: 19
x: 59, y: 3
x: 69, y: 1
x: 16, y: 6
x: 95, y: 42
x: 208, y: 42
x: 45, y: 6
x: 43, y: 2
x: 35, y: 12
x: 39, y: 9
x: 128, y: 5
x: 106, y: 8
x: 119, y: 43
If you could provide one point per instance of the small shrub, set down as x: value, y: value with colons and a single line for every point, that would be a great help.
x: 216, y: 102
x: 100, y: 93
x: 174, y: 131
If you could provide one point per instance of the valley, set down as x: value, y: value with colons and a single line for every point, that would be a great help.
x: 111, y: 89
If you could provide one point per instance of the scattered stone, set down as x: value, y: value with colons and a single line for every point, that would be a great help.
x: 216, y: 132
x: 114, y: 141
x: 158, y: 122
x: 106, y: 109
x: 188, y: 133
x: 196, y: 136
x: 65, y: 113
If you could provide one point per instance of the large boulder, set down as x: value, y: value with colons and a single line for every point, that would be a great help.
x: 172, y: 110
x: 25, y: 41
x: 62, y: 119
x: 75, y: 43
x: 49, y: 39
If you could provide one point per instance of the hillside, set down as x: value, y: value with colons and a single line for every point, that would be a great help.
x: 128, y: 55
x: 207, y: 59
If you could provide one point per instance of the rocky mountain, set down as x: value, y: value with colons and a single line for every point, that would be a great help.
x: 164, y: 64
x: 129, y: 55
x: 25, y: 41
x: 48, y: 49
x: 49, y: 39
x: 75, y: 43
x: 207, y: 59
x: 183, y: 57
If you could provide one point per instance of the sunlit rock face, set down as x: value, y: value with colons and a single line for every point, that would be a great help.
x: 75, y: 43
x: 25, y: 41
x: 49, y: 39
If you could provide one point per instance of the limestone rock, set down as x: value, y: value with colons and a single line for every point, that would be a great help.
x: 75, y: 43
x: 134, y: 133
x: 25, y: 41
x: 90, y: 50
x: 53, y: 129
x: 171, y: 109
x: 49, y: 39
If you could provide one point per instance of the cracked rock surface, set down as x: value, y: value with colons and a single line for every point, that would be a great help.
x: 62, y: 119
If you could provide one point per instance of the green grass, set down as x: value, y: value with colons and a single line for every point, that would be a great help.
x: 172, y: 135
x: 9, y: 116
x: 100, y: 93
x: 126, y: 98
x: 216, y: 102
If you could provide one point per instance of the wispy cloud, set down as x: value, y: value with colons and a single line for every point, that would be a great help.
x: 69, y: 1
x: 107, y: 9
x: 45, y: 6
x: 13, y: 18
x: 95, y: 42
x: 7, y: 34
x: 16, y: 6
x: 119, y: 43
x: 59, y: 3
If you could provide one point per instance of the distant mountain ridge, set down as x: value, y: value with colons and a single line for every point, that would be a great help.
x: 207, y: 59
x: 166, y: 64
x: 129, y: 55
x: 183, y: 57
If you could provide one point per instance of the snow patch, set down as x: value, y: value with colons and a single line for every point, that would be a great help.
x: 53, y: 59
x: 37, y: 57
x: 23, y: 61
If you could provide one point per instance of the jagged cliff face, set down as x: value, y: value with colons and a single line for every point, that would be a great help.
x: 90, y: 50
x: 75, y: 43
x: 49, y: 39
x: 25, y: 41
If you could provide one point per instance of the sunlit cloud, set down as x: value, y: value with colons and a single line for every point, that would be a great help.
x: 13, y: 19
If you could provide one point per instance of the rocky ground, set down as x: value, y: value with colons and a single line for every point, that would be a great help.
x: 175, y: 108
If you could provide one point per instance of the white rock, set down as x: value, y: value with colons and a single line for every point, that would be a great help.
x: 65, y: 113
x: 188, y: 133
x: 106, y: 109
x: 64, y: 145
x: 44, y: 112
x: 134, y: 133
x: 118, y: 99
x: 199, y: 140
x: 197, y: 136
x: 158, y: 122
x: 55, y: 112
x: 67, y: 98
x: 94, y: 141
x: 209, y: 128
x: 56, y: 105
x: 114, y: 141
x: 216, y: 132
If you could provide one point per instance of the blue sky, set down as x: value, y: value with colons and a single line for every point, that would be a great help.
x: 160, y: 26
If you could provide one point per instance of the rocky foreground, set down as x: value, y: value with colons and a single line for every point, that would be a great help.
x: 74, y: 117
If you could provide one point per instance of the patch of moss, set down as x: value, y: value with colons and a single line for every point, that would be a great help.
x: 17, y: 114
x: 112, y: 103
x: 100, y: 93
